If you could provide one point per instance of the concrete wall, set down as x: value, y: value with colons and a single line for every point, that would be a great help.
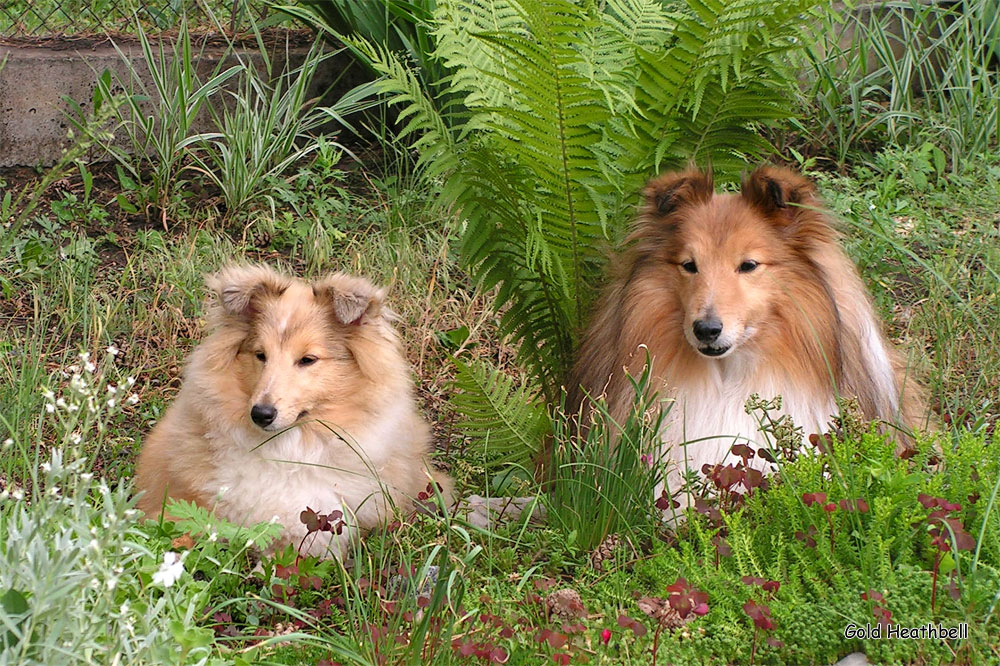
x: 34, y: 81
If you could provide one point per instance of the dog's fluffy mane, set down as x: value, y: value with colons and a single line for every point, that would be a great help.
x: 823, y: 337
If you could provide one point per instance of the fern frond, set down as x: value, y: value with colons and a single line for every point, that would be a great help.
x: 474, y: 62
x: 402, y: 87
x: 705, y: 96
x: 499, y: 413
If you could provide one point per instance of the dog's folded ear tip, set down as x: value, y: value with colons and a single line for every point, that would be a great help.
x: 354, y: 299
x: 235, y: 285
x: 773, y: 187
x: 664, y: 193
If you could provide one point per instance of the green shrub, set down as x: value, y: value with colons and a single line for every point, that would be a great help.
x: 810, y: 534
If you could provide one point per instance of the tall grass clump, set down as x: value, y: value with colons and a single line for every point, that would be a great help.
x: 905, y: 73
x: 603, y: 477
x: 157, y: 119
x: 266, y: 126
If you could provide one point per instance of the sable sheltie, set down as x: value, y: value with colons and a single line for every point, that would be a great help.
x: 300, y: 396
x: 733, y: 295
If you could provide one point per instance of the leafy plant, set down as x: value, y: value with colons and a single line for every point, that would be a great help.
x: 905, y: 73
x: 848, y: 526
x: 566, y: 108
x: 403, y: 27
x: 501, y: 414
x: 80, y: 580
x: 602, y: 480
x: 157, y: 120
x: 267, y: 126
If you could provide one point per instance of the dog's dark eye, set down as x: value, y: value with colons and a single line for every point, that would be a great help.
x: 261, y: 356
x: 307, y: 360
x: 690, y: 267
x: 748, y: 266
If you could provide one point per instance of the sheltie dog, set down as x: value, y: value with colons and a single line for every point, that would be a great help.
x: 299, y: 396
x: 733, y: 295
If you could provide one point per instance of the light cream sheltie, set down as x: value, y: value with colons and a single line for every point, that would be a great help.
x: 300, y: 396
x: 737, y: 294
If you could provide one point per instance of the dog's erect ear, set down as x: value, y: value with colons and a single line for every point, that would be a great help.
x: 354, y: 300
x: 237, y: 288
x: 773, y: 189
x: 668, y: 191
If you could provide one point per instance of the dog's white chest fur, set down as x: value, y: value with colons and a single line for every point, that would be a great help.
x: 260, y: 479
x: 707, y: 415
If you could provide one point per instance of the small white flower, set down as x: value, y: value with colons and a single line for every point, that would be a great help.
x: 84, y: 356
x: 112, y: 389
x: 113, y: 350
x: 47, y: 394
x: 75, y: 369
x: 18, y: 494
x: 871, y: 206
x: 171, y: 569
x: 249, y: 543
x: 112, y: 583
x: 50, y: 408
x: 8, y: 442
x: 87, y: 476
x: 60, y: 403
x: 89, y: 367
x: 72, y: 407
x: 111, y: 402
x: 46, y: 466
x: 75, y: 438
x: 133, y: 399
x: 214, y: 536
x: 130, y: 381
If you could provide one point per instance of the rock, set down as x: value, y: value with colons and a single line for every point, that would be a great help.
x: 487, y: 513
x: 400, y: 585
x: 853, y: 659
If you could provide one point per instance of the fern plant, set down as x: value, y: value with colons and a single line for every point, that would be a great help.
x: 566, y: 107
x: 500, y: 411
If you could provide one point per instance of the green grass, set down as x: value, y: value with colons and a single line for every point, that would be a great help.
x: 927, y: 246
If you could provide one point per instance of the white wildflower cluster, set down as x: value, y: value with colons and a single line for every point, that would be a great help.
x: 171, y: 569
x: 10, y: 490
x: 78, y: 551
x: 84, y: 402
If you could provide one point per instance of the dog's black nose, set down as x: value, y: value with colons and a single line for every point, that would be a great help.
x: 707, y: 330
x: 263, y: 415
